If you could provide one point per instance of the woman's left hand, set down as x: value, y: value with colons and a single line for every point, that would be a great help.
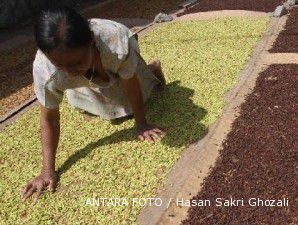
x: 149, y: 132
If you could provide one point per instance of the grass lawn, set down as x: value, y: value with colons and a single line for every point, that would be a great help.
x: 201, y: 60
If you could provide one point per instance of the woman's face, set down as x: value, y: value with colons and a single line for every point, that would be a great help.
x: 75, y: 62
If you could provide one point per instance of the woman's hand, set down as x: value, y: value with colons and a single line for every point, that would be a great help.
x: 38, y: 184
x: 148, y: 132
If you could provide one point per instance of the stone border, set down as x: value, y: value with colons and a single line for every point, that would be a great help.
x: 219, y: 14
x: 17, y: 109
x: 13, y: 115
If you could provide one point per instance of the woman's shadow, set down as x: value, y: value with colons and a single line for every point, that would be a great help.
x: 172, y: 110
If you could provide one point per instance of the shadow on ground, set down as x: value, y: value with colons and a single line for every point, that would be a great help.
x: 178, y: 116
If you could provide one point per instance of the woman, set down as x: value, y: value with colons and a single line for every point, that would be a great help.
x: 98, y: 65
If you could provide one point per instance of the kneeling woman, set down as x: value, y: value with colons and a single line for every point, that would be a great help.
x: 97, y: 63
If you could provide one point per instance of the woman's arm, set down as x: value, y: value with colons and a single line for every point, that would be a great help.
x: 135, y: 97
x: 50, y: 132
x: 133, y: 91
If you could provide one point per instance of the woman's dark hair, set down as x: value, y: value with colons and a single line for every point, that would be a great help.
x: 61, y: 27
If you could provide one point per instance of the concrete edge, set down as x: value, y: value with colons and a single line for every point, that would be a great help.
x: 17, y: 109
x: 220, y: 14
x: 17, y: 113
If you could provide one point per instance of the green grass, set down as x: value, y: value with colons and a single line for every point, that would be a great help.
x: 201, y: 61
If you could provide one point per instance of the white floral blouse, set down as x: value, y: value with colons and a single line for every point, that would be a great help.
x: 120, y: 55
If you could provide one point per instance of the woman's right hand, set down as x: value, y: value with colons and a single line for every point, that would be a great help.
x: 38, y: 184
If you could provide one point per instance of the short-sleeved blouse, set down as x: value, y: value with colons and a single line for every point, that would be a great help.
x: 121, y: 59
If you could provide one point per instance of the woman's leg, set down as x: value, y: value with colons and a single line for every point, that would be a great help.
x: 155, y: 67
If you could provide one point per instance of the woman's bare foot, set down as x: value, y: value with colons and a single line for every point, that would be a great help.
x: 155, y: 67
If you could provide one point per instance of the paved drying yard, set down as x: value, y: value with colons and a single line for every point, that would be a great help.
x: 202, y: 62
